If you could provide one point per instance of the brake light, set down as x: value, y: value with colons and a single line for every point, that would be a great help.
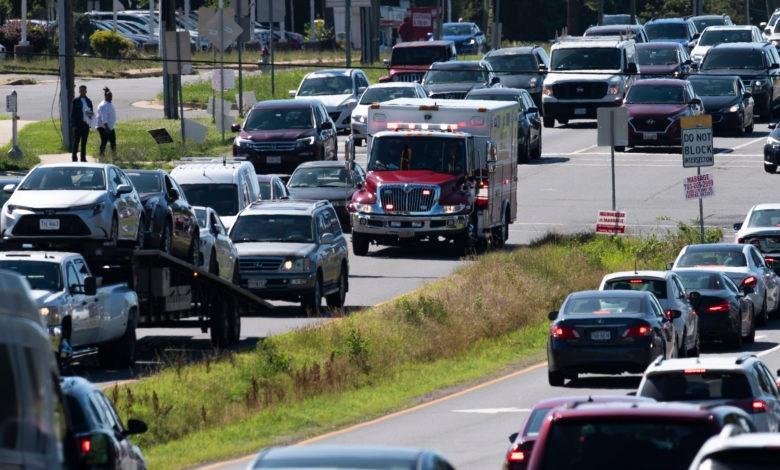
x: 636, y: 281
x: 482, y: 193
x: 516, y: 456
x: 768, y: 260
x: 749, y: 281
x: 719, y: 307
x: 697, y: 371
x: 638, y: 331
x: 668, y: 314
x: 758, y: 406
x: 563, y: 332
x: 85, y: 445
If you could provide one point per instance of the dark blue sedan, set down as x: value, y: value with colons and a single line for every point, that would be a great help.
x: 467, y: 37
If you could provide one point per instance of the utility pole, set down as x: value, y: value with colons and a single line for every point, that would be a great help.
x: 439, y: 24
x: 170, y: 81
x: 747, y: 11
x: 348, y: 33
x: 23, y: 41
x: 571, y: 18
x: 312, y: 29
x: 449, y: 11
x: 633, y: 11
x: 271, y: 45
x: 65, y: 30
x: 151, y: 21
x: 496, y: 24
x: 601, y: 11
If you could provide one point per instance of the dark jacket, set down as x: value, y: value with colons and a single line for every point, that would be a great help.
x: 77, y: 114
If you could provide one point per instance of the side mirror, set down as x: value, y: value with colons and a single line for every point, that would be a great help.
x: 513, y: 437
x: 762, y: 24
x: 292, y: 93
x: 688, y: 62
x: 174, y: 194
x: 674, y: 314
x: 491, y: 155
x: 90, y: 286
x: 775, y: 66
x: 694, y: 67
x: 694, y: 298
x: 738, y: 226
x: 495, y: 80
x: 235, y: 127
x: 542, y: 68
x: 532, y: 110
x: 135, y: 426
x: 632, y: 69
x: 695, y: 102
x: 9, y: 188
x: 747, y: 95
x: 552, y: 315
x: 327, y: 238
x: 123, y: 189
x: 696, y: 36
x: 387, y: 63
x: 361, y: 89
x: 773, y: 125
x: 327, y: 125
x: 669, y: 265
x: 692, y: 44
x: 215, y: 230
x: 349, y: 150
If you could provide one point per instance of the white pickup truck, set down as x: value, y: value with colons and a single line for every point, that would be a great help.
x: 81, y: 317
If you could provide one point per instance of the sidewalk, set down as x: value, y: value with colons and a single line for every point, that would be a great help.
x: 5, y: 130
x: 61, y: 158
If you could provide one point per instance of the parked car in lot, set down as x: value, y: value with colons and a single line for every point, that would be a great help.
x: 467, y: 37
x: 728, y: 102
x: 663, y: 60
x: 521, y: 67
x: 279, y: 135
x: 338, y: 89
x: 529, y: 119
x: 756, y: 451
x: 76, y: 203
x: 294, y: 251
x: 714, y: 35
x: 98, y: 438
x: 724, y: 312
x: 772, y: 149
x: 744, y: 265
x: 272, y: 187
x: 453, y: 80
x: 743, y: 382
x: 635, y: 32
x: 607, y: 332
x: 171, y: 223
x: 756, y: 64
x: 671, y: 294
x: 380, y: 93
x: 703, y: 22
x: 655, y: 107
x: 334, y: 182
x: 680, y: 30
x: 217, y: 252
x: 345, y: 457
x: 631, y: 435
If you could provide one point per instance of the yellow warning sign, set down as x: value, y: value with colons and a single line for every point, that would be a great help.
x: 693, y: 122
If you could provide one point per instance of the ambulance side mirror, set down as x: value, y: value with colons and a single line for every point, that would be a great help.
x: 491, y: 156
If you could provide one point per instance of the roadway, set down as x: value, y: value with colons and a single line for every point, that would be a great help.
x: 563, y: 192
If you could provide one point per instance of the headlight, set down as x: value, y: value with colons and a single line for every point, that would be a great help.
x: 453, y: 209
x: 733, y: 109
x: 297, y: 265
x: 759, y: 84
x: 532, y: 82
x: 547, y: 90
x: 306, y: 141
x: 241, y: 142
x: 51, y: 315
x: 614, y: 89
x: 95, y: 208
x: 359, y: 118
x: 471, y: 41
x: 359, y: 207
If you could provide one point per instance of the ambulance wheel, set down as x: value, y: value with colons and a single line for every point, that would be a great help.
x: 548, y: 122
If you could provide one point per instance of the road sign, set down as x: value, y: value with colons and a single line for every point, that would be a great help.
x: 216, y: 79
x: 195, y: 131
x: 161, y: 136
x: 10, y: 102
x: 183, y: 56
x: 222, y: 32
x: 697, y: 141
x: 612, y: 127
x: 611, y: 222
x: 699, y: 186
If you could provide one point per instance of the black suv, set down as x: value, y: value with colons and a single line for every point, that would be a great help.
x: 279, y: 135
x: 453, y: 80
x: 521, y: 67
x: 293, y: 251
x: 757, y: 64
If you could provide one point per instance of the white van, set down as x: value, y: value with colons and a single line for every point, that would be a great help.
x: 31, y: 429
x: 227, y: 187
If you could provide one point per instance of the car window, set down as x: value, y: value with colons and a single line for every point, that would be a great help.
x: 769, y: 379
x: 81, y: 270
x: 659, y: 312
x: 74, y: 282
x: 757, y: 259
x: 333, y: 222
x: 679, y: 285
x: 279, y: 190
x: 733, y: 258
x: 656, y: 286
x: 765, y: 385
x: 111, y: 412
x: 182, y: 196
x: 606, y: 305
x: 98, y: 411
x: 696, y: 384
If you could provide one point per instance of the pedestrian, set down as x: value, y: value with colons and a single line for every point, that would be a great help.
x: 81, y: 114
x: 105, y: 123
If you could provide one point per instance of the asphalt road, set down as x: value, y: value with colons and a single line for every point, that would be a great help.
x: 563, y: 192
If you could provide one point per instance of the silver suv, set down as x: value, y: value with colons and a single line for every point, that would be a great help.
x: 586, y: 74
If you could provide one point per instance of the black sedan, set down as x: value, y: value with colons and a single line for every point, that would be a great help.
x: 772, y: 149
x: 607, y: 332
x: 454, y: 79
x: 97, y: 438
x: 529, y: 121
x: 727, y: 101
x: 332, y: 181
x: 172, y: 223
x: 725, y: 313
x: 344, y: 457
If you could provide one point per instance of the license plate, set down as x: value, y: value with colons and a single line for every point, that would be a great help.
x: 580, y: 111
x: 601, y: 336
x: 256, y: 283
x: 273, y: 159
x: 395, y: 224
x: 406, y: 235
x: 49, y: 224
x: 650, y: 136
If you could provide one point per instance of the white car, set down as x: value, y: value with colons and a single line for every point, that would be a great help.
x: 338, y: 89
x: 217, y: 251
x: 380, y: 93
x: 714, y: 35
x: 761, y: 218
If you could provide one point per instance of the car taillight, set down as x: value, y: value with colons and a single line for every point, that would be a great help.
x: 638, y: 331
x: 694, y: 371
x: 515, y: 455
x: 85, y: 445
x: 563, y: 332
x: 719, y: 307
x: 749, y: 281
x: 482, y: 193
x: 758, y: 406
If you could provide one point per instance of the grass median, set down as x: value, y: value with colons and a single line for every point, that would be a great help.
x: 487, y: 317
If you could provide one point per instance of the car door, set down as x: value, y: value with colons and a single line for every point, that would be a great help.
x: 773, y: 395
x: 341, y: 252
x: 111, y: 426
x: 533, y: 118
x: 687, y: 310
x: 101, y: 320
x: 134, y: 206
x: 664, y: 326
x: 82, y: 319
x: 774, y: 73
x: 326, y: 250
x: 770, y: 279
x: 226, y: 257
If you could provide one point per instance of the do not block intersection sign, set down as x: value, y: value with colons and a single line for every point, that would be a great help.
x: 697, y: 141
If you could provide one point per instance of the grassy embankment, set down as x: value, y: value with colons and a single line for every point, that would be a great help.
x: 487, y: 317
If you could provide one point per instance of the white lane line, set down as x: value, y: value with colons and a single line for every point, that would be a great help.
x: 760, y: 336
x: 747, y: 144
x: 768, y: 351
x: 577, y: 152
x: 494, y: 411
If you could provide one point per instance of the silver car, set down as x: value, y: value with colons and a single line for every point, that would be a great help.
x: 217, y: 251
x: 73, y: 202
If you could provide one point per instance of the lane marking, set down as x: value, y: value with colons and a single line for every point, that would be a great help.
x: 768, y: 351
x: 760, y: 336
x: 577, y: 152
x: 747, y: 144
x: 494, y: 411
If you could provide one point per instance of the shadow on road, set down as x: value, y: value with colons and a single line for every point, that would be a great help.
x: 758, y: 346
x: 548, y: 161
x: 419, y: 251
x: 606, y: 382
x: 580, y: 125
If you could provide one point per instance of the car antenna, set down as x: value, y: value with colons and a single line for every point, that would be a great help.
x: 224, y: 160
x: 635, y: 261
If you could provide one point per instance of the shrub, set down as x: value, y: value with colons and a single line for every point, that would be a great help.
x: 109, y: 44
x: 41, y: 38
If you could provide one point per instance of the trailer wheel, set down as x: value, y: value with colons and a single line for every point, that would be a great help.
x: 234, y: 325
x: 359, y: 244
x: 120, y: 353
x: 219, y: 326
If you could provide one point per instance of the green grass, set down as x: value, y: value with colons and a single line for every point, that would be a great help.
x: 487, y: 316
x: 134, y: 144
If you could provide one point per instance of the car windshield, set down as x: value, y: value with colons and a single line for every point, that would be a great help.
x: 610, y: 31
x: 733, y: 258
x: 272, y: 228
x: 764, y: 243
x: 733, y: 59
x: 457, y: 30
x: 696, y: 384
x: 201, y: 215
x: 418, y: 55
x: 277, y: 119
x: 65, y: 178
x: 41, y: 275
x: 657, y: 56
x: 656, y: 31
x: 326, y: 85
x: 713, y: 37
x: 338, y: 463
x: 703, y: 23
x: 466, y: 75
x: 605, y: 305
x: 646, y: 443
x: 587, y: 58
x: 616, y: 19
x: 223, y: 198
x: 655, y: 94
x: 746, y: 458
x: 495, y: 96
x: 145, y: 182
x: 764, y: 218
x: 382, y: 94
x: 441, y: 155
x: 320, y: 177
x: 693, y: 281
x: 515, y: 63
x: 535, y: 421
x: 714, y: 87
x: 265, y: 190
x: 656, y: 286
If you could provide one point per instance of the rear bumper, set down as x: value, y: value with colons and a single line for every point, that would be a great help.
x: 599, y: 359
x: 717, y: 326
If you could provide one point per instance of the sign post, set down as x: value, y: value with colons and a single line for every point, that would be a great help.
x: 612, y: 132
x: 11, y: 106
x: 697, y: 152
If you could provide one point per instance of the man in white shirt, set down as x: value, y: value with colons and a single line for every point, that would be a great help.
x: 105, y: 123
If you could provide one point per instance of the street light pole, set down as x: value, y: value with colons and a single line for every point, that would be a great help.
x: 23, y: 41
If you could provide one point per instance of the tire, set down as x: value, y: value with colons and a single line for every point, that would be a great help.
x: 771, y: 169
x: 620, y: 148
x: 501, y: 234
x: 114, y: 234
x: 312, y: 302
x: 140, y: 238
x: 358, y: 142
x: 360, y: 244
x: 563, y: 122
x: 120, y: 353
x: 213, y: 264
x: 537, y: 152
x: 555, y: 378
x: 166, y: 244
x: 695, y: 351
x: 749, y: 129
x: 736, y: 338
x: 336, y: 300
x: 236, y: 279
x: 548, y: 122
x: 763, y: 316
x: 193, y: 254
x: 766, y: 115
x: 682, y: 351
x: 466, y: 243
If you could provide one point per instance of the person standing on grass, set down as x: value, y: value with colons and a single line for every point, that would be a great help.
x: 81, y: 114
x: 105, y: 122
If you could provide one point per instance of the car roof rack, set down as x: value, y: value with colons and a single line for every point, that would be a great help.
x: 741, y: 359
